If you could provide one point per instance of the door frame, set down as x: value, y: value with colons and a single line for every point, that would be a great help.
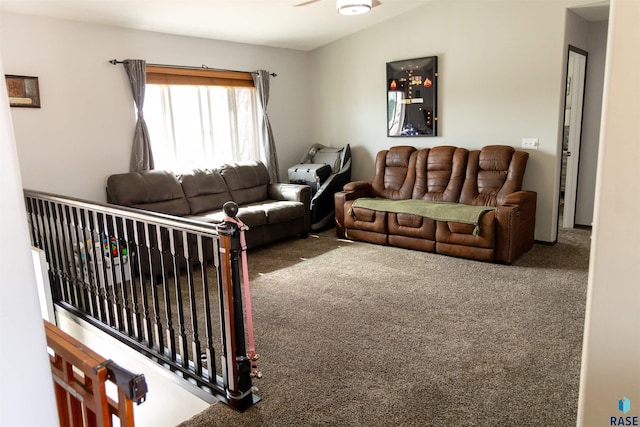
x: 569, y: 198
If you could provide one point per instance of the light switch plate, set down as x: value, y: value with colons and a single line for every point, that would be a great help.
x: 530, y: 143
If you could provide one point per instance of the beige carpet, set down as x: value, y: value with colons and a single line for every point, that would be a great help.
x: 354, y: 334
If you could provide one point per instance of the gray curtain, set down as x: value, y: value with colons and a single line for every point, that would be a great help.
x: 261, y: 82
x: 141, y: 156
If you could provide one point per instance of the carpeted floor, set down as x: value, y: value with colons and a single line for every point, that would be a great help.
x: 355, y: 334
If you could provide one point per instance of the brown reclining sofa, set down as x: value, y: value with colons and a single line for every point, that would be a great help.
x: 486, y: 215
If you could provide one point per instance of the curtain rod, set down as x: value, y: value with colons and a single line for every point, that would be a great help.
x: 203, y: 67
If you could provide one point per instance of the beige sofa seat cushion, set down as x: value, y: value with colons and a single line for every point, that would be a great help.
x: 259, y: 213
x: 251, y: 216
x: 280, y: 210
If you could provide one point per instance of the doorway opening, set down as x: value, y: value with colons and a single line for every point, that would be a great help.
x: 574, y: 105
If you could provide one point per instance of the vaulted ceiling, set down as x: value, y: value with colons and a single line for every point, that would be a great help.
x: 277, y: 23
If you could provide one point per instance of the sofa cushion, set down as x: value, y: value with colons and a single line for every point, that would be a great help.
x: 409, y: 225
x: 259, y: 213
x: 493, y: 173
x: 251, y: 216
x: 154, y: 190
x: 457, y: 239
x: 364, y: 219
x: 463, y: 234
x: 205, y: 190
x: 395, y: 173
x: 440, y: 173
x: 281, y: 210
x: 247, y: 181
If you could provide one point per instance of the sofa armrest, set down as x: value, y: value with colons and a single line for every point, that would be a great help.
x: 521, y: 198
x: 515, y: 225
x: 357, y: 186
x: 352, y: 190
x: 293, y: 193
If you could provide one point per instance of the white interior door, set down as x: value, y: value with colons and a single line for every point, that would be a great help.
x: 576, y: 70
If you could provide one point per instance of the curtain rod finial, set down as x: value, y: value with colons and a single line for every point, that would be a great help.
x: 114, y: 61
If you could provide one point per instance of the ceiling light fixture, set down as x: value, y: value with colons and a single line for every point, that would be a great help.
x: 353, y: 7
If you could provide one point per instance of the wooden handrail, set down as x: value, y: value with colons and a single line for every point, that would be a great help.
x: 79, y: 376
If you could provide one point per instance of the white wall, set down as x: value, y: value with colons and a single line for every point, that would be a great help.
x: 611, y: 351
x: 597, y: 48
x: 26, y: 388
x: 501, y: 66
x: 83, y: 132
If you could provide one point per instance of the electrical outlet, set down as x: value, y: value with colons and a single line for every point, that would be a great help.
x: 530, y: 143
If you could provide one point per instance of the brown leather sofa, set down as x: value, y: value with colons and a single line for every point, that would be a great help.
x: 490, y: 177
x: 272, y: 211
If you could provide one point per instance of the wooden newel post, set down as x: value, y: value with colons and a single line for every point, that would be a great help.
x: 236, y: 365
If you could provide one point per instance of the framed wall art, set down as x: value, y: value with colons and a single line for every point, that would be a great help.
x: 412, y: 87
x: 23, y: 91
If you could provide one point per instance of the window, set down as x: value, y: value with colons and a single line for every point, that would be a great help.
x: 200, y: 118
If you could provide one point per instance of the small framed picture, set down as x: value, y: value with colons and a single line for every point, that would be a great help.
x: 23, y: 91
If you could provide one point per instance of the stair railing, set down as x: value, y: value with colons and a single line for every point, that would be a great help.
x: 166, y: 286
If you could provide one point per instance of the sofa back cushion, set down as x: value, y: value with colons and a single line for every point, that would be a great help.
x: 247, y: 181
x: 492, y: 173
x: 395, y: 173
x: 154, y: 190
x: 440, y: 173
x: 205, y: 190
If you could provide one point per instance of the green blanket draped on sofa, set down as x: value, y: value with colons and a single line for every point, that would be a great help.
x: 439, y: 211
